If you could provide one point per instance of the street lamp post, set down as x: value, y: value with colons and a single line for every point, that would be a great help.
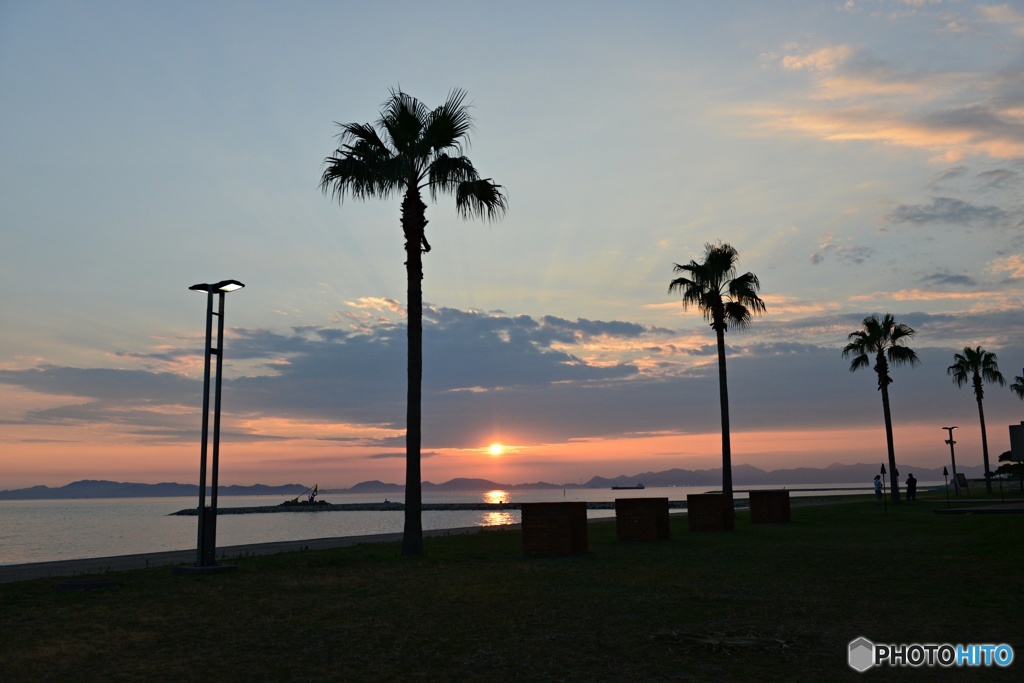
x: 952, y: 457
x: 206, y: 546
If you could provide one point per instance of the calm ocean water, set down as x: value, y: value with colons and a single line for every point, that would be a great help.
x: 46, y: 530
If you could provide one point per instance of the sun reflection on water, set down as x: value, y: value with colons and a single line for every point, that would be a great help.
x: 497, y: 519
x: 496, y: 497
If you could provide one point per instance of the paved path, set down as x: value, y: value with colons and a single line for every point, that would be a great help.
x: 97, y: 565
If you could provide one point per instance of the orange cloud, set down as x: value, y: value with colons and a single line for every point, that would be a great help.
x: 925, y: 295
x: 787, y: 305
x: 284, y: 428
x: 951, y: 141
x: 825, y: 59
x: 1004, y: 15
x: 1013, y: 265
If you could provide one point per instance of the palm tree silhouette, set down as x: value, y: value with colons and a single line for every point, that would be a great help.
x: 411, y: 148
x: 885, y: 339
x: 977, y: 366
x: 1018, y: 386
x: 724, y: 298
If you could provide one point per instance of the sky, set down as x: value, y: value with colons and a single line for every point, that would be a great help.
x: 863, y: 156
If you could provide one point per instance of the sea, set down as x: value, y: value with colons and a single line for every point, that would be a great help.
x: 49, y: 530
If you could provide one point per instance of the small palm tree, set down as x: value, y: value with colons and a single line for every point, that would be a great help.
x: 409, y: 149
x: 977, y: 366
x: 724, y: 298
x: 885, y: 339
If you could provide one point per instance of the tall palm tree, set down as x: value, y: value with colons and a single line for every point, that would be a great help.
x: 977, y: 366
x: 724, y: 298
x: 886, y: 340
x: 409, y: 149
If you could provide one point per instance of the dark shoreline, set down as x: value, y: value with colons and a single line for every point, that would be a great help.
x: 392, y: 507
x: 484, y: 507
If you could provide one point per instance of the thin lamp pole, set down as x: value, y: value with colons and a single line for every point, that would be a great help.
x: 201, y: 541
x: 207, y: 535
x: 216, y: 403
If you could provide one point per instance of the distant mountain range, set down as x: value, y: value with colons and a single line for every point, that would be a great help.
x: 742, y: 475
x: 91, y: 488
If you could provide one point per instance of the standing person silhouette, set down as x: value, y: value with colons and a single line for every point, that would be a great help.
x: 911, y: 488
x: 878, y: 486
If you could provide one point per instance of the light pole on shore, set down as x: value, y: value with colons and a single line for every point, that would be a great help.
x: 952, y: 457
x: 206, y: 545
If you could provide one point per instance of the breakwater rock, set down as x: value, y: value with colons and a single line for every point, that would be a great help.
x: 390, y: 507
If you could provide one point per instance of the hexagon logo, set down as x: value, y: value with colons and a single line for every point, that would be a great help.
x: 862, y: 654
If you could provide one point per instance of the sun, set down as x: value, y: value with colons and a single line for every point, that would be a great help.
x: 495, y: 449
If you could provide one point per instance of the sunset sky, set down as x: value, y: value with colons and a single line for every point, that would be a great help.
x: 863, y: 157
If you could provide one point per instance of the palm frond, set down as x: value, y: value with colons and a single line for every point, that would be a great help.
x: 448, y: 126
x: 901, y: 355
x: 859, y: 361
x: 737, y: 314
x: 720, y: 259
x: 483, y: 198
x: 354, y: 133
x: 445, y: 174
x: 744, y: 288
x: 362, y: 168
x: 960, y: 370
x: 403, y: 118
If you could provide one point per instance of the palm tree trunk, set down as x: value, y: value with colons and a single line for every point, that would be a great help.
x: 894, y: 482
x: 984, y: 447
x: 413, y: 225
x: 723, y: 392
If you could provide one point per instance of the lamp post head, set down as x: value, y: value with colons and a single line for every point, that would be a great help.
x: 222, y: 286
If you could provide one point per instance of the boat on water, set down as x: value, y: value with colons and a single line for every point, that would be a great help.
x: 313, y: 491
x: 638, y: 487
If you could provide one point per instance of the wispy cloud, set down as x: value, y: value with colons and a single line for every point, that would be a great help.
x: 1012, y: 265
x: 990, y: 298
x: 947, y: 278
x: 950, y: 211
x: 781, y: 305
x: 1004, y: 15
x: 825, y: 59
x: 850, y: 94
x: 998, y: 179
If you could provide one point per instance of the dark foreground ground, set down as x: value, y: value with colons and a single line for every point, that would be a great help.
x: 765, y: 602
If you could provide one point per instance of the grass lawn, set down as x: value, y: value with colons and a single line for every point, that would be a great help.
x: 476, y: 609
